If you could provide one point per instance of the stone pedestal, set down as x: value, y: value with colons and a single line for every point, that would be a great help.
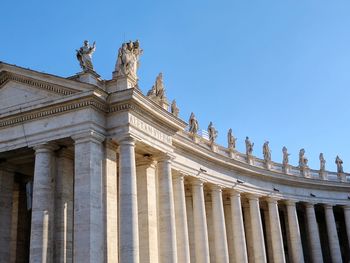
x: 286, y: 169
x: 119, y: 83
x: 342, y: 177
x: 305, y: 172
x: 90, y: 77
x: 324, y: 175
x: 250, y: 159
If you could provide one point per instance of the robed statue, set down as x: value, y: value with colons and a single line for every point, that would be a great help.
x: 84, y: 56
x: 231, y: 140
x: 339, y: 163
x: 128, y: 59
x: 213, y: 133
x: 248, y: 146
x: 193, y: 123
x: 267, y: 152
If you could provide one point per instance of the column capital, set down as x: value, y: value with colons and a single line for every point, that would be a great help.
x: 272, y: 200
x: 65, y: 152
x: 88, y: 136
x: 251, y: 196
x: 45, y: 147
x: 146, y: 161
x: 197, y: 182
x: 346, y: 207
x: 234, y: 192
x: 178, y: 175
x: 110, y: 144
x: 216, y: 188
x: 165, y: 157
x: 328, y: 206
x: 290, y: 202
x: 310, y: 205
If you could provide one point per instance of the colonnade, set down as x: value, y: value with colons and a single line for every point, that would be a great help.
x: 148, y: 212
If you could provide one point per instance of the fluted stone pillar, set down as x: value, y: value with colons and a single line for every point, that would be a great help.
x: 294, y: 232
x: 220, y: 238
x: 239, y: 240
x: 41, y: 237
x: 111, y: 201
x: 276, y: 232
x: 147, y: 207
x: 313, y: 234
x: 332, y: 234
x: 183, y: 249
x: 128, y: 209
x: 200, y: 223
x: 346, y: 210
x: 257, y: 230
x: 167, y: 228
x: 88, y: 198
x: 64, y: 207
x: 6, y: 205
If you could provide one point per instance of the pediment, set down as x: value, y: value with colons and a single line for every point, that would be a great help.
x: 14, y: 94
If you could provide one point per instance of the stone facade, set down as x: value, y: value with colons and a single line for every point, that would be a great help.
x: 94, y: 171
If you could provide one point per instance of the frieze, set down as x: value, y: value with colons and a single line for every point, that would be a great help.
x: 150, y: 130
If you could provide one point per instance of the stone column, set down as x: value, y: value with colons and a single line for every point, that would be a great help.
x: 332, y: 234
x: 88, y: 198
x: 248, y: 230
x: 64, y: 207
x: 147, y: 207
x: 313, y: 234
x: 220, y: 238
x: 110, y: 187
x: 167, y: 228
x: 276, y: 232
x: 41, y: 237
x: 6, y: 204
x: 190, y: 222
x: 239, y: 240
x: 183, y: 248
x: 294, y: 232
x: 257, y: 231
x: 346, y: 210
x: 200, y: 223
x: 128, y: 209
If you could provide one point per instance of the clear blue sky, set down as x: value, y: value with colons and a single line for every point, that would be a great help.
x: 272, y: 70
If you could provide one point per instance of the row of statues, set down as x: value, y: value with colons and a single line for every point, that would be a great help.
x: 231, y: 142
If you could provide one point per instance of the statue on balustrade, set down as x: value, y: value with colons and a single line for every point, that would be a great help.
x: 193, y: 124
x: 322, y: 163
x: 213, y: 133
x: 84, y: 56
x: 285, y: 160
x: 158, y: 91
x: 339, y: 163
x: 231, y: 140
x: 302, y: 159
x: 128, y: 59
x: 174, y: 109
x: 248, y: 146
x: 267, y: 152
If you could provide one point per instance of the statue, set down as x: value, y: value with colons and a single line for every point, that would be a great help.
x: 285, y: 160
x: 267, y: 152
x: 84, y: 55
x: 322, y: 163
x: 158, y: 90
x: 302, y: 159
x: 193, y: 123
x: 249, y: 146
x: 339, y: 163
x: 213, y: 133
x: 231, y: 140
x: 128, y: 59
x: 174, y: 109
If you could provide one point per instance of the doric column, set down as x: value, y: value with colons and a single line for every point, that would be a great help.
x: 167, y: 228
x: 257, y: 230
x: 128, y: 209
x: 147, y: 207
x: 276, y: 232
x: 88, y: 198
x: 190, y: 222
x: 313, y: 234
x: 221, y: 249
x: 248, y: 230
x: 6, y: 204
x: 183, y: 249
x: 64, y: 207
x: 239, y: 240
x: 200, y: 223
x: 41, y: 237
x: 332, y: 234
x: 110, y: 187
x: 294, y: 232
x: 346, y: 210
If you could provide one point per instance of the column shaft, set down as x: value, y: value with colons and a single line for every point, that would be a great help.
x: 183, y: 249
x: 257, y: 231
x: 88, y: 198
x: 167, y: 228
x: 248, y: 231
x: 239, y: 240
x: 221, y: 249
x: 346, y: 210
x: 276, y: 233
x: 128, y: 209
x: 6, y: 204
x: 313, y: 234
x: 294, y: 233
x: 190, y: 223
x: 41, y: 237
x: 332, y: 234
x: 200, y: 223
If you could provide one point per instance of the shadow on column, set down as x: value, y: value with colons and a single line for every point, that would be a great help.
x: 303, y: 232
x: 322, y: 229
x: 341, y: 229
